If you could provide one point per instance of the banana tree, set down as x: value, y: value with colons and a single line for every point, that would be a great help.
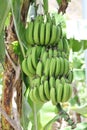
x: 17, y: 109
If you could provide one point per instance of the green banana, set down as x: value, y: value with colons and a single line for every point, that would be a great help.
x: 52, y: 82
x: 29, y: 33
x: 55, y: 53
x: 46, y: 89
x: 59, y: 54
x: 41, y: 93
x: 39, y: 69
x: 29, y: 51
x: 59, y: 33
x: 52, y: 66
x: 53, y: 20
x: 70, y: 77
x: 36, y: 82
x: 50, y: 51
x: 39, y: 50
x: 66, y: 90
x: 60, y: 45
x: 65, y: 45
x: 34, y: 57
x: 66, y: 66
x: 42, y: 33
x: 36, y: 32
x: 24, y: 67
x: 62, y: 80
x: 57, y: 82
x: 70, y: 90
x: 58, y: 67
x: 48, y: 18
x: 43, y: 78
x: 44, y: 57
x: 31, y: 95
x: 59, y: 92
x: 53, y: 96
x: 46, y: 68
x: 47, y: 33
x: 36, y: 96
x: 53, y: 35
x: 30, y: 66
x: 40, y: 18
x: 62, y: 66
x: 42, y: 51
x: 63, y: 54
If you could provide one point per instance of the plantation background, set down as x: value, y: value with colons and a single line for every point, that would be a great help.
x: 74, y: 10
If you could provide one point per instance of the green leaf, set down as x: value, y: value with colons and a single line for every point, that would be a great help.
x: 75, y: 45
x: 46, y: 115
x: 4, y: 9
x: 2, y: 47
x: 26, y: 113
x: 48, y: 126
x: 79, y: 74
x: 81, y: 110
x: 16, y: 12
x: 81, y: 126
x: 77, y: 63
x: 84, y: 44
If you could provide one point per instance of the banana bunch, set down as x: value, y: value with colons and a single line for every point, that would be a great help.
x: 47, y: 61
x: 52, y: 89
x: 41, y: 32
x: 29, y: 63
x: 40, y: 60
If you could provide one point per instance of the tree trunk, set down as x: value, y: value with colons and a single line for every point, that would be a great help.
x: 9, y: 83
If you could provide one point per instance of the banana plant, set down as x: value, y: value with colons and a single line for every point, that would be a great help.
x: 16, y: 55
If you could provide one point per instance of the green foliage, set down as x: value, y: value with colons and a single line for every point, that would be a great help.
x: 17, y: 50
x: 84, y: 42
x: 19, y: 27
x: 75, y: 44
x: 60, y: 19
x: 2, y: 47
x: 81, y: 109
x: 4, y: 9
x: 80, y: 126
x: 44, y: 115
x: 78, y: 65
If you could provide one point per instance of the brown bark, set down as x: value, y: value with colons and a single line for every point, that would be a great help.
x: 24, y: 10
x: 63, y: 6
x: 12, y: 77
x: 9, y: 79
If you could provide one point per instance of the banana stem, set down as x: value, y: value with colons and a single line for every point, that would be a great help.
x: 66, y: 117
x: 59, y: 107
x: 35, y: 117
